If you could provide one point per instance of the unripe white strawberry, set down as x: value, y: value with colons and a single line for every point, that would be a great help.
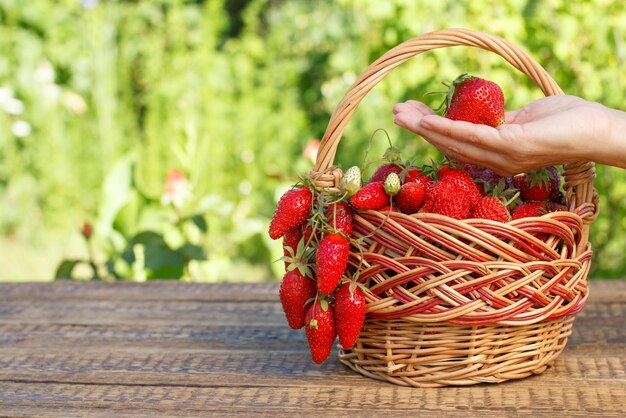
x: 392, y: 184
x: 351, y: 181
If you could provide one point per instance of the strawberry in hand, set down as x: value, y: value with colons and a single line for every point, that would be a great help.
x: 475, y: 100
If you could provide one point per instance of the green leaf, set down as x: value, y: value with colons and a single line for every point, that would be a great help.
x: 192, y: 252
x: 64, y: 271
x: 200, y: 222
x: 117, y: 191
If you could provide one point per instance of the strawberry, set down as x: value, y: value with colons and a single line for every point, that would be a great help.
x: 349, y: 314
x: 308, y: 234
x: 414, y: 174
x: 529, y: 209
x: 331, y: 259
x: 556, y: 207
x: 290, y: 243
x: 392, y: 184
x: 534, y: 185
x: 372, y: 196
x: 320, y: 330
x: 489, y: 207
x: 555, y: 185
x: 351, y: 181
x: 384, y: 170
x: 339, y: 216
x: 409, y: 199
x: 387, y: 209
x: 291, y: 212
x: 445, y: 199
x: 295, y: 290
x: 462, y: 181
x: 475, y: 100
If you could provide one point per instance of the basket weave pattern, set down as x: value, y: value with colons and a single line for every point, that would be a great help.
x: 462, y: 302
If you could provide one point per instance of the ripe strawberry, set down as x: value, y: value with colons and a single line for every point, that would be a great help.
x: 409, y: 199
x: 331, y: 259
x: 308, y: 234
x: 414, y: 174
x: 387, y: 209
x: 290, y: 243
x: 292, y: 210
x: 320, y: 330
x: 349, y: 314
x: 445, y: 199
x: 555, y: 185
x: 295, y: 290
x: 475, y: 100
x: 534, y: 185
x: 372, y: 196
x: 384, y: 170
x: 339, y: 216
x: 489, y: 207
x: 462, y: 181
x: 556, y: 207
x: 529, y: 209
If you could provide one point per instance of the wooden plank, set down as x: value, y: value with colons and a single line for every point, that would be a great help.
x: 576, y: 366
x: 116, y: 312
x: 521, y: 397
x: 158, y: 290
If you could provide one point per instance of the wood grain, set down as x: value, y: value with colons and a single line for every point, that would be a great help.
x: 174, y: 349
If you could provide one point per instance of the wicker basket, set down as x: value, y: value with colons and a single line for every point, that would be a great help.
x: 463, y: 302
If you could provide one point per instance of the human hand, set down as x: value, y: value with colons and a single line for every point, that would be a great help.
x: 548, y: 131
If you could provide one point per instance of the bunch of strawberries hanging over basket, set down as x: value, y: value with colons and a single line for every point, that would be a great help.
x: 316, y: 224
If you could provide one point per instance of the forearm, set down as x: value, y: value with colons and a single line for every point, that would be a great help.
x: 611, y: 150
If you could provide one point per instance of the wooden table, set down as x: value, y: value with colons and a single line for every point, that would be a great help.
x: 175, y: 349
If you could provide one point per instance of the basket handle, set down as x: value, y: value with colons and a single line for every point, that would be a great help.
x: 578, y: 175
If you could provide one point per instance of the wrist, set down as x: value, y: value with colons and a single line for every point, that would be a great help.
x: 612, y: 139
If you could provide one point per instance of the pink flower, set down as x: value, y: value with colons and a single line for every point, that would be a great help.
x: 310, y: 151
x: 176, y: 189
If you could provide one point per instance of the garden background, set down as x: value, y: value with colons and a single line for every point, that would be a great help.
x: 100, y: 100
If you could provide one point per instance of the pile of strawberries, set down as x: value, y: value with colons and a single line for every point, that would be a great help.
x: 316, y: 225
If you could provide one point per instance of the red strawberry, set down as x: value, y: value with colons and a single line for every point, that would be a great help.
x: 414, y: 174
x: 555, y: 185
x: 320, y: 330
x: 410, y: 198
x: 295, y: 291
x: 475, y: 100
x: 462, y: 181
x: 292, y: 210
x: 339, y: 216
x: 372, y: 196
x: 384, y: 170
x: 445, y: 199
x: 331, y: 259
x: 290, y: 243
x: 491, y: 208
x: 388, y: 209
x: 534, y: 185
x: 529, y: 209
x: 349, y: 314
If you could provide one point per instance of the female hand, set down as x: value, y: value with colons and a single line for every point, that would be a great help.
x: 549, y: 131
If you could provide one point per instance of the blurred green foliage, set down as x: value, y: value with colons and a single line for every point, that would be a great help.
x: 231, y: 92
